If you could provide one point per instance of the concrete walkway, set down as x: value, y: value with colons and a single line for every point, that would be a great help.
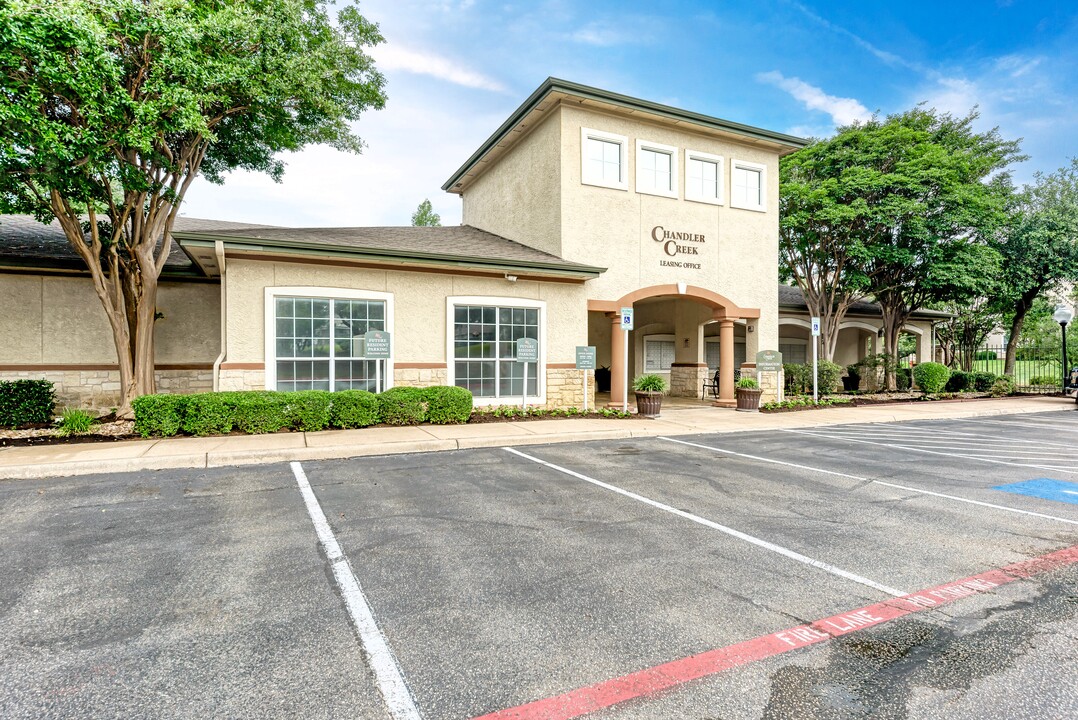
x: 187, y: 452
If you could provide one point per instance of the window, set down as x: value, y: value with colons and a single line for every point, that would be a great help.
x: 658, y: 353
x: 703, y: 177
x: 712, y: 350
x: 483, y: 353
x: 315, y: 342
x: 656, y: 169
x: 603, y: 159
x: 748, y: 185
x: 793, y: 352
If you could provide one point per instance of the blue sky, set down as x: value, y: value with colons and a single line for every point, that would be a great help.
x: 456, y: 70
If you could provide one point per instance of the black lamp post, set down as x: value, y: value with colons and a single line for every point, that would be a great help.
x: 1063, y: 315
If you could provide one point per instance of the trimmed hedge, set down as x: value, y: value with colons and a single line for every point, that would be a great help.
x: 931, y: 377
x: 799, y: 377
x: 306, y: 411
x: 358, y: 408
x: 903, y: 379
x: 983, y: 381
x: 26, y: 402
x: 448, y: 405
x: 1003, y: 385
x: 403, y: 406
x: 959, y: 381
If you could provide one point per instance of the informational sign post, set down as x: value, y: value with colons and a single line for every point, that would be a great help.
x: 626, y: 326
x: 585, y: 360
x: 815, y: 372
x: 527, y: 351
x: 376, y: 347
x: 770, y: 361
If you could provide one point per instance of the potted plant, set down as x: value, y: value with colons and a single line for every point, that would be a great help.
x: 748, y: 394
x: 649, y: 391
x: 852, y: 381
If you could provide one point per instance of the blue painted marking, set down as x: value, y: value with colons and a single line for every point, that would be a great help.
x: 1046, y: 488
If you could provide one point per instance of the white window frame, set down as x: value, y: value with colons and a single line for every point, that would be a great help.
x: 497, y: 301
x: 588, y: 178
x: 720, y: 170
x: 641, y: 146
x: 659, y: 337
x: 746, y: 165
x: 327, y: 293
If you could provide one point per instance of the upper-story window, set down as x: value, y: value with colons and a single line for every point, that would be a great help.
x: 749, y: 185
x: 656, y: 169
x: 703, y: 177
x: 604, y: 159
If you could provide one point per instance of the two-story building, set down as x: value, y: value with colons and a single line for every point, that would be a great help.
x: 583, y: 202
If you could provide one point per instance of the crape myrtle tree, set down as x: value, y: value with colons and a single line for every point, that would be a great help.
x: 109, y: 109
x: 946, y: 193
x: 961, y: 336
x: 827, y: 215
x: 1039, y: 246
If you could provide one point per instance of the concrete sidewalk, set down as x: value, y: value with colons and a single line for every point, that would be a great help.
x: 187, y: 452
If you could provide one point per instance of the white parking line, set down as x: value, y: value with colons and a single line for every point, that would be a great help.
x: 1040, y: 426
x: 911, y: 448
x: 387, y: 672
x: 721, y: 528
x: 877, y: 482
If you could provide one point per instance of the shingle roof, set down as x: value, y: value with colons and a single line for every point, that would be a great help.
x: 452, y: 243
x: 26, y: 243
x: 792, y: 297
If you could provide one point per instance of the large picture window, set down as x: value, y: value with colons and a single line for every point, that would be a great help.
x: 484, y: 349
x: 318, y: 344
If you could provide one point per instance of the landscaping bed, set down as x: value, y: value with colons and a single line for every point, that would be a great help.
x: 799, y: 403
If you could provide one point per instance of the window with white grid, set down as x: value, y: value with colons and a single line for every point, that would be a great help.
x: 484, y: 350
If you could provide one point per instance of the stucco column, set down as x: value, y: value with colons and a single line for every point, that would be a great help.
x: 617, y: 360
x: 726, y: 363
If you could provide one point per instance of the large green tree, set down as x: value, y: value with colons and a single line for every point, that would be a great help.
x: 109, y: 109
x: 1039, y: 246
x: 945, y: 190
x: 424, y: 216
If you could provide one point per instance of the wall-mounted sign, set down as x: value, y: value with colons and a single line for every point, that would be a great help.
x: 768, y: 361
x: 585, y: 357
x: 682, y: 246
x: 627, y: 318
x: 376, y: 345
x: 527, y: 350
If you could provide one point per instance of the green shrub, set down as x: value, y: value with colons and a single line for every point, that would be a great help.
x: 1004, y: 385
x: 903, y: 379
x: 983, y: 381
x: 210, y: 413
x: 75, y: 422
x: 798, y: 378
x: 1042, y: 380
x: 650, y: 383
x: 931, y: 377
x: 26, y: 402
x: 828, y: 376
x: 356, y: 409
x: 260, y: 412
x: 159, y: 415
x: 402, y: 406
x: 309, y: 410
x: 748, y: 383
x: 448, y: 405
x: 959, y: 381
x: 985, y: 355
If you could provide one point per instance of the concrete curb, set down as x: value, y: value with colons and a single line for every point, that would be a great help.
x: 639, y: 429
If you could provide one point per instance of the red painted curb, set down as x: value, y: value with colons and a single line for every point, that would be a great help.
x: 677, y: 672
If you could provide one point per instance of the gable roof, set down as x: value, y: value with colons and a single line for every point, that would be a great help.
x: 555, y: 89
x: 792, y: 298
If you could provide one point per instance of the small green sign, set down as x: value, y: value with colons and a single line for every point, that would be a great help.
x: 527, y: 350
x: 768, y: 361
x: 585, y: 357
x: 376, y: 344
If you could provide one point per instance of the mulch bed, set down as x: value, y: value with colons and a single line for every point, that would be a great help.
x: 898, y: 399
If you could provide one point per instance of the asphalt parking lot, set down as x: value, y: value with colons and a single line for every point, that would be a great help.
x: 908, y: 570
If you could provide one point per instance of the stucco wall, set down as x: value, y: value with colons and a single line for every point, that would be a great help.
x: 60, y: 321
x: 419, y: 300
x: 518, y: 195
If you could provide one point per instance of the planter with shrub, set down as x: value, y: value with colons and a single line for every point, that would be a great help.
x: 852, y: 381
x: 649, y: 391
x: 748, y: 394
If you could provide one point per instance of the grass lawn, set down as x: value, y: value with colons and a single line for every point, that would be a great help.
x: 1024, y: 370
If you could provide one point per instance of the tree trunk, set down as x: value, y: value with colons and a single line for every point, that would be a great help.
x: 893, y: 320
x: 1021, y: 309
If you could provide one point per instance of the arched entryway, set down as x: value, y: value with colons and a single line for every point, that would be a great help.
x: 676, y: 314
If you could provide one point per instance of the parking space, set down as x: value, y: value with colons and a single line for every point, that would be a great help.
x: 853, y: 571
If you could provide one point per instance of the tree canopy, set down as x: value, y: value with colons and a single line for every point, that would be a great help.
x: 424, y: 216
x: 110, y: 108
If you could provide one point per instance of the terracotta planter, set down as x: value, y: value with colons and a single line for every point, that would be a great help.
x: 648, y: 402
x: 748, y: 399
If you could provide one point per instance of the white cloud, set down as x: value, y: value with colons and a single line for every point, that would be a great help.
x: 595, y: 34
x: 843, y: 111
x: 394, y: 57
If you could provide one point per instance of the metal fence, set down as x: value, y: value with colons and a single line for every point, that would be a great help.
x: 1037, y: 368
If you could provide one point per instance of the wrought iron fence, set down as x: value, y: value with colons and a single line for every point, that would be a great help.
x: 1037, y: 368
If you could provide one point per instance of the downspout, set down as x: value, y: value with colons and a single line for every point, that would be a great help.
x: 219, y: 250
